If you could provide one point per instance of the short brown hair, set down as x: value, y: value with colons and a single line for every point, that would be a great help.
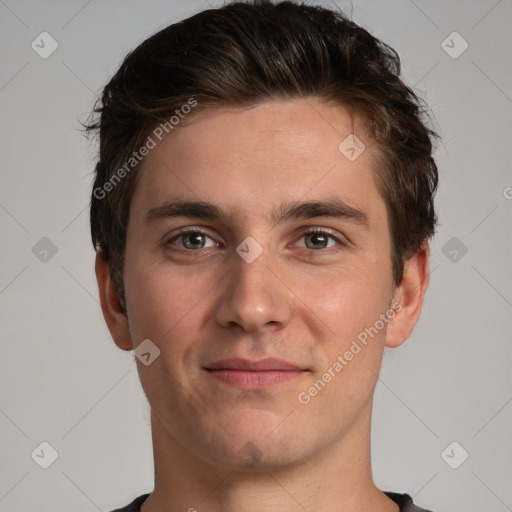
x: 243, y: 54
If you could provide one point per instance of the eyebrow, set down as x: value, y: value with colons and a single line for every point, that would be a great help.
x: 335, y: 208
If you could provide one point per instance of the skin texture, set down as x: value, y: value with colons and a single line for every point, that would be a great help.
x: 218, y: 447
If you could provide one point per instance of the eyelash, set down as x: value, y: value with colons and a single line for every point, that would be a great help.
x: 309, y: 231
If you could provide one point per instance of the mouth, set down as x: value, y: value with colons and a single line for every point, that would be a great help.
x: 247, y: 374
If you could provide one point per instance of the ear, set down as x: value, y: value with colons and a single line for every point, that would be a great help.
x: 408, y: 297
x: 115, y: 317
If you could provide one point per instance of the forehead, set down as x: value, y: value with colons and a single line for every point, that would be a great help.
x: 250, y: 159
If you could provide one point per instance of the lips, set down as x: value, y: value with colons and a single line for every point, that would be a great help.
x: 244, y: 373
x: 248, y: 365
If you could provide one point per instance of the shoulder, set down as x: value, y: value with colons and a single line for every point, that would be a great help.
x: 134, y: 506
x: 404, y: 501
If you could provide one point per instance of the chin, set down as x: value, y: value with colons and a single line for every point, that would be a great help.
x: 256, y: 457
x: 258, y: 450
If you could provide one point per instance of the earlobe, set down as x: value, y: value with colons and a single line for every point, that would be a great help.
x: 115, y: 317
x: 409, y: 296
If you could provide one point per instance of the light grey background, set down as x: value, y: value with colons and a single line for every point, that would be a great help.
x: 63, y: 381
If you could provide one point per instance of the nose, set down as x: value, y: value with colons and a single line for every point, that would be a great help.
x: 254, y: 299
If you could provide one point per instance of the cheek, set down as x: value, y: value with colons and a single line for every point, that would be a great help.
x: 350, y: 297
x: 156, y: 299
x: 343, y: 308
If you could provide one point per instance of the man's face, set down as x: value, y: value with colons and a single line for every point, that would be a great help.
x: 323, y: 276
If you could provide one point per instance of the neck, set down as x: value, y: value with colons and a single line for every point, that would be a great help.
x: 338, y: 479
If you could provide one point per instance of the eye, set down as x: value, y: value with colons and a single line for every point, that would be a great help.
x: 192, y: 240
x: 319, y: 239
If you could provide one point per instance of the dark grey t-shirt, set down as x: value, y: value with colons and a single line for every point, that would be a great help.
x: 404, y: 501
